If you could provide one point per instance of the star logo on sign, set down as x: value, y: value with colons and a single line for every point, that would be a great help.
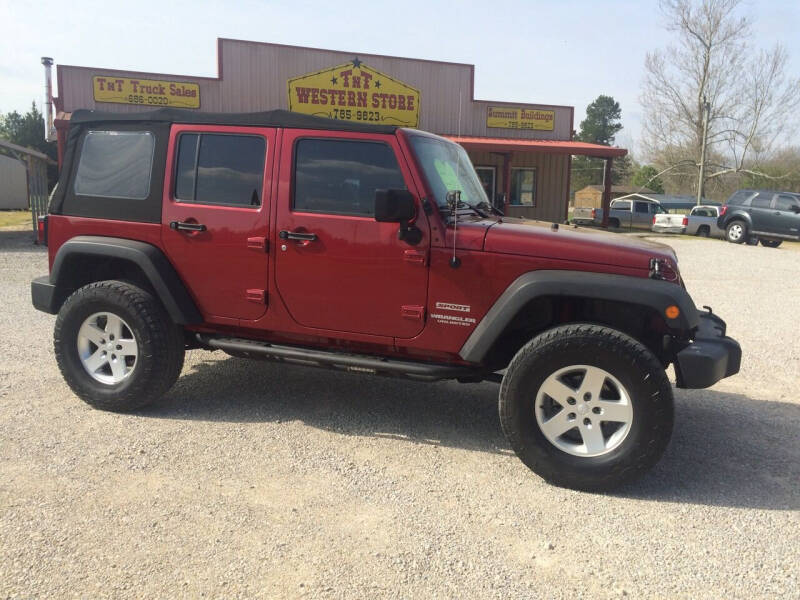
x: 356, y: 62
x: 377, y: 83
x: 334, y: 80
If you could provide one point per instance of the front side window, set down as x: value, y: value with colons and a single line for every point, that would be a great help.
x: 220, y: 169
x: 340, y: 177
x: 116, y: 164
x: 523, y: 187
x: 786, y: 202
x: 641, y: 207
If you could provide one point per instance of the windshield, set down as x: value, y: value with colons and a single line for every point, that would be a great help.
x: 447, y: 167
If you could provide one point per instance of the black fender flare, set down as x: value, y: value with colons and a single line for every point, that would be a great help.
x: 653, y: 293
x: 151, y: 260
x: 736, y: 215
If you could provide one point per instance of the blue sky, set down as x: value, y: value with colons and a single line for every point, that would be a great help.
x: 558, y: 52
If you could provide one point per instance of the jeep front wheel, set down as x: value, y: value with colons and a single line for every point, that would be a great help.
x: 586, y: 407
x: 116, y: 346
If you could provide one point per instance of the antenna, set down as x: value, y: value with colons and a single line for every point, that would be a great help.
x: 454, y: 198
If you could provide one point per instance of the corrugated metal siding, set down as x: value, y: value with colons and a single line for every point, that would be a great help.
x: 13, y: 183
x: 552, y: 182
x: 254, y: 77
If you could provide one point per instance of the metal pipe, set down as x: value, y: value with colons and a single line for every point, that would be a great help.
x: 49, y: 129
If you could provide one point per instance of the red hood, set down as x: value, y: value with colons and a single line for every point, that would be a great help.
x: 537, y: 238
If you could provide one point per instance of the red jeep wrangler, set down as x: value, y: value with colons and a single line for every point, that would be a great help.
x: 370, y: 249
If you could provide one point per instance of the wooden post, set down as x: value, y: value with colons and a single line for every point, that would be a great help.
x: 506, y: 181
x: 607, y: 190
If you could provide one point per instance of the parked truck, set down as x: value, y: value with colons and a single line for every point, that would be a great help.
x: 624, y: 213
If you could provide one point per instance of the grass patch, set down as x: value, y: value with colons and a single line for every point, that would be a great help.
x: 9, y: 218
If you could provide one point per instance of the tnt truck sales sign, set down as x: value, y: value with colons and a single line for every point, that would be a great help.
x: 149, y: 92
x: 506, y: 117
x: 355, y: 92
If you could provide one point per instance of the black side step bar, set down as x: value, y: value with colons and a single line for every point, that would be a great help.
x: 347, y: 362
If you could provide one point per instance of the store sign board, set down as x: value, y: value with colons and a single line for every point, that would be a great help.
x: 148, y: 92
x: 355, y: 92
x: 509, y: 117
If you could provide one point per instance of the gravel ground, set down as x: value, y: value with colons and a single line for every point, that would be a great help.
x: 252, y: 480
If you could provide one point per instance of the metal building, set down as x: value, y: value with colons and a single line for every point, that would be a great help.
x: 521, y: 150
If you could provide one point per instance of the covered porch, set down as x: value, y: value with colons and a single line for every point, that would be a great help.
x: 530, y: 178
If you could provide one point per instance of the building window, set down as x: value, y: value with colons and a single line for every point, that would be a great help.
x: 523, y: 187
x: 487, y: 177
x: 340, y: 177
x: 116, y: 164
x: 220, y: 169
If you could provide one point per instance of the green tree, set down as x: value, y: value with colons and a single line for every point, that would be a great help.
x: 28, y: 131
x: 601, y: 125
x: 647, y: 177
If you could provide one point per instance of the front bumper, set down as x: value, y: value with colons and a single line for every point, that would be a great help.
x: 711, y: 356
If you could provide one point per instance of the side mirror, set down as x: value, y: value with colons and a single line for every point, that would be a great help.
x: 394, y: 206
x: 397, y: 206
x: 796, y: 208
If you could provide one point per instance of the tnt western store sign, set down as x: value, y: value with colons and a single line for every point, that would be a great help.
x: 520, y: 150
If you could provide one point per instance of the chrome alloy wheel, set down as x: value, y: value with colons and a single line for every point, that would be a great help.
x: 735, y: 232
x: 584, y: 410
x: 107, y: 348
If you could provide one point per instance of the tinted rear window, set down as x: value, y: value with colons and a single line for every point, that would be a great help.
x: 763, y: 200
x: 115, y: 164
x: 220, y: 169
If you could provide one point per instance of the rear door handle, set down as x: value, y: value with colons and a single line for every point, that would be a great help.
x: 300, y: 237
x: 183, y: 226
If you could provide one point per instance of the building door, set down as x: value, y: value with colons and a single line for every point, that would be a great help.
x: 487, y: 175
x: 214, y: 223
x: 337, y: 268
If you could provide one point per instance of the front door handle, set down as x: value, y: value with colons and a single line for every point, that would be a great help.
x: 300, y: 237
x: 184, y: 226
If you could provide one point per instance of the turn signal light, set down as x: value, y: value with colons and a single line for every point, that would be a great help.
x: 672, y: 312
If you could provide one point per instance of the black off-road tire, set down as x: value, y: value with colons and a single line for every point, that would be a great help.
x: 771, y: 243
x: 160, y: 343
x: 635, y: 366
x: 731, y: 227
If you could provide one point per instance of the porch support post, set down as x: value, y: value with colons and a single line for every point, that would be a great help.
x: 607, y: 190
x: 506, y: 181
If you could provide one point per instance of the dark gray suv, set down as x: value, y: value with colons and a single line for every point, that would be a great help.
x: 761, y: 215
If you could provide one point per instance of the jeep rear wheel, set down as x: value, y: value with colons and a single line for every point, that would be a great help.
x: 586, y: 407
x: 736, y: 232
x: 116, y: 346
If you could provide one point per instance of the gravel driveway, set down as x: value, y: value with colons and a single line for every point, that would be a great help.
x: 255, y: 480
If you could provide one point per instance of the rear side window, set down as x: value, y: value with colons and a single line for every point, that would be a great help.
x: 115, y: 164
x: 220, y: 169
x: 341, y: 176
x: 763, y: 200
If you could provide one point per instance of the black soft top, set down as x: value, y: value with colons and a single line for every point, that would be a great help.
x: 270, y: 118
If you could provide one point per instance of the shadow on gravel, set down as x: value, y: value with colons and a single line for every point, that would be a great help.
x: 726, y: 449
x: 15, y: 240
